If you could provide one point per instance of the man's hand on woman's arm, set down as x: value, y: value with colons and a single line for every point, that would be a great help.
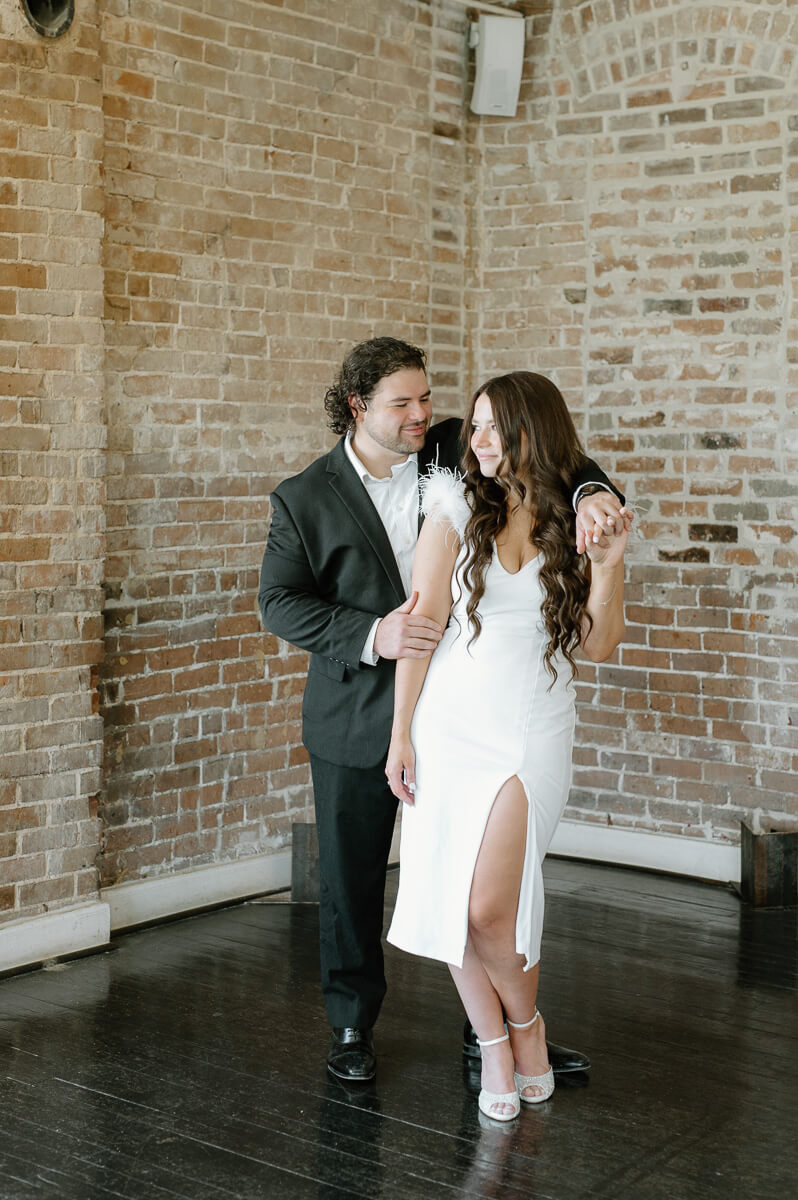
x: 403, y: 633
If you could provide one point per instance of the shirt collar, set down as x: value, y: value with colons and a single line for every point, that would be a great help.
x: 363, y: 472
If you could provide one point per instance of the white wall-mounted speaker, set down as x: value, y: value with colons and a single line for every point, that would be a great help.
x: 499, y: 43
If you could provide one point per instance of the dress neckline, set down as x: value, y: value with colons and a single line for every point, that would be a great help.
x: 528, y: 563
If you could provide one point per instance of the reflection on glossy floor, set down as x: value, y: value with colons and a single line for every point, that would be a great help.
x: 189, y: 1061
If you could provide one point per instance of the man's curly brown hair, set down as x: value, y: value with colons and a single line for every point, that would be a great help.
x: 360, y: 375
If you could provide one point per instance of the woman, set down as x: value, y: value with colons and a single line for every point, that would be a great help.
x: 493, y: 726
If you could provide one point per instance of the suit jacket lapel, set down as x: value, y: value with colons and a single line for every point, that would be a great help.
x: 350, y: 490
x: 426, y: 457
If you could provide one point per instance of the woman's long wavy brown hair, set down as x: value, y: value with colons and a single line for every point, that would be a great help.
x: 542, y: 453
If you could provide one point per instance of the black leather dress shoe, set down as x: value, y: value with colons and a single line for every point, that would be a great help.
x: 351, y: 1055
x: 562, y: 1060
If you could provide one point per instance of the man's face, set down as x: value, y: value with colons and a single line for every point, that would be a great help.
x: 398, y: 414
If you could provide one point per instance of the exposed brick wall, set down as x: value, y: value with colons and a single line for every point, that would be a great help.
x: 268, y: 172
x: 634, y: 241
x: 51, y: 462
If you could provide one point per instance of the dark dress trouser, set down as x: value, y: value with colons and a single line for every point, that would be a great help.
x: 355, y: 816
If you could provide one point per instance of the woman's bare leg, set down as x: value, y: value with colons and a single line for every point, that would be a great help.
x: 493, y: 911
x: 484, y: 1008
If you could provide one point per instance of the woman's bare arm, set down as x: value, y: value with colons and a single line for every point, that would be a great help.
x: 605, y: 601
x: 436, y: 553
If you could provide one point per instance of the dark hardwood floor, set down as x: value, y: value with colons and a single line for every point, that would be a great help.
x: 188, y: 1061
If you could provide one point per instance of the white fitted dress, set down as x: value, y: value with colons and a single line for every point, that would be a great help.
x: 486, y: 713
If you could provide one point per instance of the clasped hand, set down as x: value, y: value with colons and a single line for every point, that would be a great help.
x: 600, y: 520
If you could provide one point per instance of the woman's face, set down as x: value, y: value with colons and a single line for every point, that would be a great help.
x: 485, y: 441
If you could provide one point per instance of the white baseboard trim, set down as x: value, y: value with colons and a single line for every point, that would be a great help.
x: 144, y: 900
x: 33, y: 940
x: 696, y: 857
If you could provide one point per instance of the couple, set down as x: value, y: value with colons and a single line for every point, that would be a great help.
x: 337, y: 580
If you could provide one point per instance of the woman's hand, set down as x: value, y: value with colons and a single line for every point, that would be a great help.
x: 401, y: 768
x: 608, y: 552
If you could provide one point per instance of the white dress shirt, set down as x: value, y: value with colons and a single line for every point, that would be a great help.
x: 396, y: 501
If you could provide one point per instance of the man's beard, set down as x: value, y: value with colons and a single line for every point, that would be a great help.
x: 398, y: 444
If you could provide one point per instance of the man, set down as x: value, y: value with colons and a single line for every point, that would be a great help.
x: 336, y: 581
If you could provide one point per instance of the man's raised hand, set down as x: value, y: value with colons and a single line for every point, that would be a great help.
x: 405, y: 634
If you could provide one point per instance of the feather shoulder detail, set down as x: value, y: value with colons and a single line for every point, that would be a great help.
x: 443, y: 498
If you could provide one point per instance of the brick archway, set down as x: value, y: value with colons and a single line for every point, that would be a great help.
x: 607, y: 43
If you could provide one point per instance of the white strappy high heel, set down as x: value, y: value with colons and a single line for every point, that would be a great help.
x: 544, y: 1082
x: 491, y: 1099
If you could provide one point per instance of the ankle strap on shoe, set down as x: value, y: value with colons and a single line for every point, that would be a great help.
x: 494, y: 1041
x: 524, y: 1024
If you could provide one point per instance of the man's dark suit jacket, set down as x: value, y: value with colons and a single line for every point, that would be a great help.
x: 328, y: 573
